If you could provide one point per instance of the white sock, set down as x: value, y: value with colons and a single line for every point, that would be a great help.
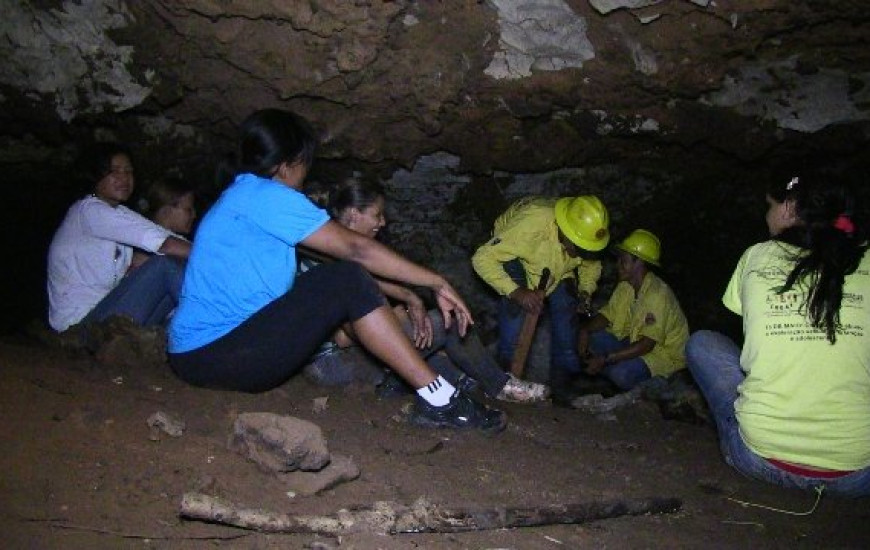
x: 437, y: 392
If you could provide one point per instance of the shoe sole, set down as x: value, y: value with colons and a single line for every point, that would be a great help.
x: 526, y: 400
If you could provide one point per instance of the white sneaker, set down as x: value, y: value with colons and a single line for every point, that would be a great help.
x: 523, y: 391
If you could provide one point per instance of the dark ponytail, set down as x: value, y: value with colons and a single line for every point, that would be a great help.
x: 353, y: 193
x: 336, y: 198
x: 226, y: 171
x: 832, y: 240
x: 267, y: 138
x: 272, y: 136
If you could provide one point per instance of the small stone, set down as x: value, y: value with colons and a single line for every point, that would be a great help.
x: 320, y: 404
x: 167, y: 423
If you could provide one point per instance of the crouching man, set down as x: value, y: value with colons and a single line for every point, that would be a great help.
x: 536, y: 234
x: 641, y: 332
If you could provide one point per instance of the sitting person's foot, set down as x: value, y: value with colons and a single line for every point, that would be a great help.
x: 563, y: 398
x: 393, y: 386
x: 523, y: 391
x: 562, y: 388
x: 586, y: 384
x: 461, y: 412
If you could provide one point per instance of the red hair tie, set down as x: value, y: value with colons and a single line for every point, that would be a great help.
x: 844, y: 224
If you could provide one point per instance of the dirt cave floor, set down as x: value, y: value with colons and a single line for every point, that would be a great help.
x: 81, y: 468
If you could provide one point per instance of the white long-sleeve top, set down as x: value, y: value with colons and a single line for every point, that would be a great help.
x: 90, y: 254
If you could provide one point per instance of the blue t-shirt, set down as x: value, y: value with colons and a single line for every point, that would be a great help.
x: 243, y: 258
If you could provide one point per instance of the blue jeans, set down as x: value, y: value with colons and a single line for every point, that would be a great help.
x: 148, y: 294
x: 625, y: 374
x: 714, y: 360
x: 562, y: 306
x: 463, y: 356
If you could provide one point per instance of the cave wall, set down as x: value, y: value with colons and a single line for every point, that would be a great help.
x: 675, y: 112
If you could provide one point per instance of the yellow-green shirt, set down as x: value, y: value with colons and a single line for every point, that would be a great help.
x: 803, y: 399
x: 655, y: 313
x: 527, y: 231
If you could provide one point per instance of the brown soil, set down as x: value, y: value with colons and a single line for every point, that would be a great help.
x: 80, y: 469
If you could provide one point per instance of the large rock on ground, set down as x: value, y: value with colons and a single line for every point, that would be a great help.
x: 279, y: 443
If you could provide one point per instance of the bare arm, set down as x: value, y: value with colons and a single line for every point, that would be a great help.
x: 337, y: 241
x: 530, y: 300
x: 400, y: 293
x: 173, y: 246
x: 138, y: 259
x: 637, y: 349
x: 416, y: 310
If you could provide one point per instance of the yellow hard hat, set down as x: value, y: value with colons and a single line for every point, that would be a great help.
x: 644, y: 245
x: 584, y: 221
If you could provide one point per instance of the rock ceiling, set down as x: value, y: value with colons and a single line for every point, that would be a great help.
x: 519, y: 85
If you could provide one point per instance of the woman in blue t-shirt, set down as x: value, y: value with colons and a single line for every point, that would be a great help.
x: 246, y: 321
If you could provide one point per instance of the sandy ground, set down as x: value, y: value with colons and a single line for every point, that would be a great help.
x: 82, y: 469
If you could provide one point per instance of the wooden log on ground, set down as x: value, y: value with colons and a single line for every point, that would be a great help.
x: 422, y: 516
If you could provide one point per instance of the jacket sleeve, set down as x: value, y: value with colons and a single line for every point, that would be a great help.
x: 488, y: 261
x: 520, y: 233
x: 590, y: 273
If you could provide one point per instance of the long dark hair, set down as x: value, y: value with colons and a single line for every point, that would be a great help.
x: 267, y: 138
x: 336, y: 198
x: 833, y: 242
x: 353, y: 193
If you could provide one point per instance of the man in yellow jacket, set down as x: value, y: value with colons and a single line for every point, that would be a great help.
x: 642, y: 331
x: 559, y: 234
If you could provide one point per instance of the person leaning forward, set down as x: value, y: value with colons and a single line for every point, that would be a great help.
x: 537, y: 233
x: 248, y: 322
x: 641, y: 332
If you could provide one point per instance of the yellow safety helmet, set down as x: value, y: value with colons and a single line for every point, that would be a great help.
x: 644, y: 245
x: 584, y: 221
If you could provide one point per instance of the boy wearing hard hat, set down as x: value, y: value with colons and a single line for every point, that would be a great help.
x: 561, y: 235
x: 641, y: 332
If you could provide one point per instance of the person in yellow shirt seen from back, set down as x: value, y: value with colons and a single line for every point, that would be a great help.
x: 792, y: 405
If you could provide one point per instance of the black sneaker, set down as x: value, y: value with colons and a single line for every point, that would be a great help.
x: 467, y: 384
x: 461, y: 412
